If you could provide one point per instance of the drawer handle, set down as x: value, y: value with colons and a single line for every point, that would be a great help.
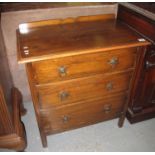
x: 109, y: 86
x: 149, y: 64
x: 152, y: 53
x: 63, y: 95
x: 65, y: 119
x: 62, y: 71
x: 153, y: 101
x: 107, y: 108
x: 113, y: 61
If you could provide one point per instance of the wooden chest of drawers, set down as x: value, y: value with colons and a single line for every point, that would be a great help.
x: 81, y: 71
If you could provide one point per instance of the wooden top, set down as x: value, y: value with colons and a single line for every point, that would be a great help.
x: 59, y: 38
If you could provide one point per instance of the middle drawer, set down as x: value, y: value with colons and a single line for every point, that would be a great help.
x: 81, y: 89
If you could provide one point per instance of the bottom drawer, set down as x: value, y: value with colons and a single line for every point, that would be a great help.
x: 81, y: 114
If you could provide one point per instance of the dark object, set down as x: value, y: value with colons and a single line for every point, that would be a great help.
x: 142, y: 105
x: 12, y: 132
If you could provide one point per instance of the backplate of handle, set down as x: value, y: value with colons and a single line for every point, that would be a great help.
x: 150, y: 64
x: 63, y: 95
x: 62, y: 71
x: 107, y: 108
x: 65, y: 119
x: 113, y: 61
x: 109, y: 86
x: 152, y: 52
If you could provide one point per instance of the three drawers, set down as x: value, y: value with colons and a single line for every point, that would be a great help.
x: 75, y: 91
x: 70, y: 67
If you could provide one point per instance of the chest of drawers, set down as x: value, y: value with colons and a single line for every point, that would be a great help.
x: 81, y: 71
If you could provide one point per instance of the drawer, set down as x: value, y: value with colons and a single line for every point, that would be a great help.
x: 82, y: 89
x: 83, y: 65
x: 82, y: 114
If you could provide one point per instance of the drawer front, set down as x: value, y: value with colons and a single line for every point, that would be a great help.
x: 82, y: 114
x: 67, y: 92
x: 83, y: 65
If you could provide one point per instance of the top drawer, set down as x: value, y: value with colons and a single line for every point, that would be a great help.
x: 83, y: 65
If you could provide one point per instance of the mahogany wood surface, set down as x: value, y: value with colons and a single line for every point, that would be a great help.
x: 137, y: 21
x: 142, y: 105
x: 149, y: 6
x: 15, y: 139
x: 81, y: 71
x: 12, y: 132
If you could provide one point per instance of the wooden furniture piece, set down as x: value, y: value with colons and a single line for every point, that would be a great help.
x: 149, y: 6
x: 142, y: 105
x: 12, y: 132
x: 81, y: 71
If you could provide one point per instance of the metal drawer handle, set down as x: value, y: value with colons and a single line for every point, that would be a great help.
x: 62, y: 71
x: 63, y: 95
x: 113, y: 61
x: 109, y: 86
x: 65, y: 119
x: 153, y: 101
x: 149, y: 64
x: 107, y: 108
x: 152, y: 52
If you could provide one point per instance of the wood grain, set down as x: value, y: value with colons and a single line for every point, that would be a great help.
x: 141, y: 106
x: 12, y: 132
x: 82, y: 89
x: 48, y: 71
x: 74, y: 39
x: 82, y: 114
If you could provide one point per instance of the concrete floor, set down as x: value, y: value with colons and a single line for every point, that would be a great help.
x: 105, y: 136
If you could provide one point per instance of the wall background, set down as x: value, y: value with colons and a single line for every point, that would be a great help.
x: 11, y: 20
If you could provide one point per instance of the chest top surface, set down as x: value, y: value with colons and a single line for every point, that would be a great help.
x: 58, y: 38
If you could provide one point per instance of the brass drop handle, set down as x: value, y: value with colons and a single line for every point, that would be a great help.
x: 65, y: 119
x: 113, y: 61
x: 107, y: 108
x: 109, y: 86
x: 63, y: 95
x: 62, y: 71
